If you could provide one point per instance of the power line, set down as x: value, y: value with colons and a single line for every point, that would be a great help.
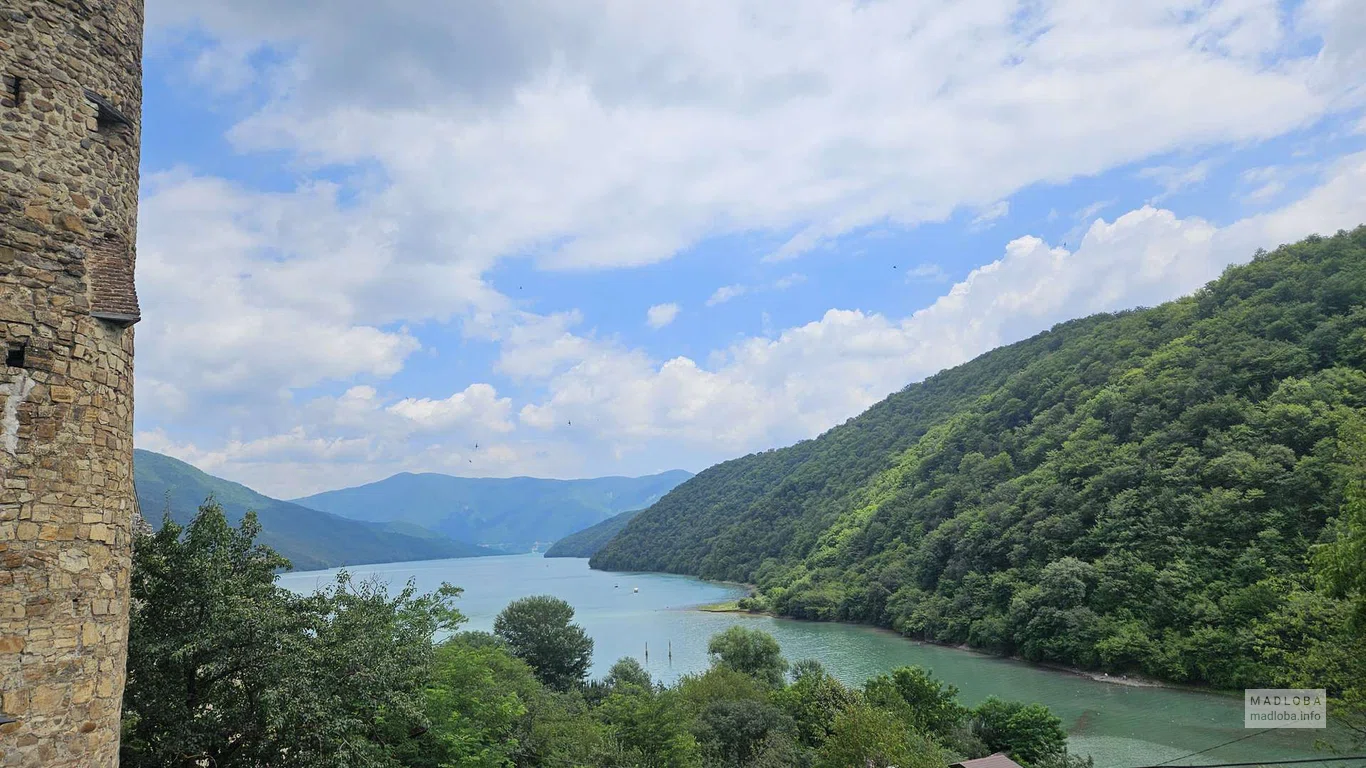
x: 1267, y: 762
x: 1242, y: 765
x: 1211, y: 749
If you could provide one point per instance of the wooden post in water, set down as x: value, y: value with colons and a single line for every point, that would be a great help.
x: 671, y: 653
x: 647, y: 652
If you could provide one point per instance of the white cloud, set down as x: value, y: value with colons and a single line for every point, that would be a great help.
x: 725, y: 293
x: 363, y: 435
x: 1335, y: 204
x: 991, y: 213
x: 661, y: 315
x: 1174, y: 178
x: 478, y: 404
x: 1265, y: 192
x: 1084, y: 214
x: 1342, y: 25
x: 1262, y: 185
x: 256, y: 292
x: 595, y: 134
x: 535, y: 346
x: 294, y: 446
x: 762, y: 392
x: 927, y: 272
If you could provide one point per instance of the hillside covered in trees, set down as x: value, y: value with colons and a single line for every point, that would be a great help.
x: 1140, y: 491
x: 587, y: 542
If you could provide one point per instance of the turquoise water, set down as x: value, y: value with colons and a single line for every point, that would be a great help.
x: 1120, y: 726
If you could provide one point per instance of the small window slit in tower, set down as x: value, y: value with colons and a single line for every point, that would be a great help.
x: 107, y: 116
x: 14, y: 355
x: 13, y: 90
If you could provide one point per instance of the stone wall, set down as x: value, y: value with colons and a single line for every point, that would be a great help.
x: 70, y: 100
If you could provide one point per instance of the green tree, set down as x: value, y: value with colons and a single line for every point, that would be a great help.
x: 1029, y: 732
x: 734, y: 733
x: 540, y: 631
x: 560, y: 731
x: 207, y: 621
x: 865, y: 736
x: 750, y: 652
x: 1341, y: 564
x: 627, y: 672
x: 813, y: 701
x: 227, y: 668
x: 782, y: 751
x: 487, y: 709
x: 370, y: 657
x: 1341, y: 568
x: 926, y: 704
x: 649, y: 730
x: 475, y: 702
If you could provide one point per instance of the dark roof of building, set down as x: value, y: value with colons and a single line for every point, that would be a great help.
x: 998, y: 760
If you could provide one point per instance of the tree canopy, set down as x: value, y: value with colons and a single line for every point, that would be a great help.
x: 227, y: 667
x: 540, y: 631
x: 749, y: 652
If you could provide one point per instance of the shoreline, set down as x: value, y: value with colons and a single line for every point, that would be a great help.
x: 729, y: 606
x: 1127, y: 680
x: 1131, y: 681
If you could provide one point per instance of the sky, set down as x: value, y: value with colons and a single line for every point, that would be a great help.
x: 575, y: 238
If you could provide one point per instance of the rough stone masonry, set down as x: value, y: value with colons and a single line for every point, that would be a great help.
x: 70, y: 104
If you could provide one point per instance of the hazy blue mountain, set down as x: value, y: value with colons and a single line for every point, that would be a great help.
x: 513, y: 512
x: 587, y: 542
x: 309, y: 538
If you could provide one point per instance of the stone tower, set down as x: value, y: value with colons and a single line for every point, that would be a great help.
x: 70, y: 100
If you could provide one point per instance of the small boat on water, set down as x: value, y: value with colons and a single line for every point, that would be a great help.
x: 637, y: 589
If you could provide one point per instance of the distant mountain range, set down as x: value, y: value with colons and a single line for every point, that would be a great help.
x: 512, y: 512
x: 587, y: 542
x: 309, y: 538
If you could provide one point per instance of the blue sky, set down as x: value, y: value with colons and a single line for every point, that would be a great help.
x: 605, y: 238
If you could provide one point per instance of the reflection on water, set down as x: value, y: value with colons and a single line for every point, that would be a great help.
x: 1120, y: 726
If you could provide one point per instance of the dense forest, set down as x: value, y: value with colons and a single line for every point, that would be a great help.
x: 1150, y: 491
x: 226, y: 668
x: 587, y: 542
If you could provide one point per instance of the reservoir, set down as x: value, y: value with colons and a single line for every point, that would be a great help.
x: 1120, y: 726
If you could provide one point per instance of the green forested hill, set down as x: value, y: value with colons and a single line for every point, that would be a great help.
x: 1132, y: 491
x: 309, y: 538
x: 587, y: 542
